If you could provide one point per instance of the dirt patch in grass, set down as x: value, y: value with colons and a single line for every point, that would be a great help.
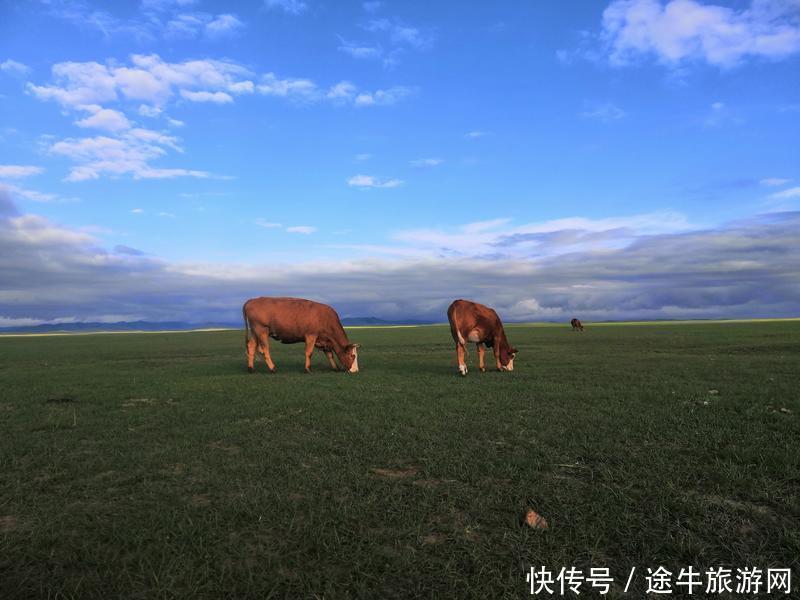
x: 429, y: 483
x: 60, y: 400
x: 8, y: 523
x: 200, y: 500
x: 139, y: 401
x: 219, y: 445
x: 401, y: 473
x: 433, y: 539
x: 740, y: 505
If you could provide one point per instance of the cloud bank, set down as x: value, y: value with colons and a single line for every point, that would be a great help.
x: 748, y: 268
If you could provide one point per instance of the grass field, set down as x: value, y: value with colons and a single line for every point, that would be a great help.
x: 154, y: 466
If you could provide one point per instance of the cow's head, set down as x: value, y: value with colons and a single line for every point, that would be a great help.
x: 507, y: 355
x: 349, y: 358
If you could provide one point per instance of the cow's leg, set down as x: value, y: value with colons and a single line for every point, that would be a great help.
x: 263, y: 338
x: 496, y: 348
x: 481, y: 352
x: 251, y: 345
x: 461, y: 355
x: 311, y: 340
x: 329, y: 354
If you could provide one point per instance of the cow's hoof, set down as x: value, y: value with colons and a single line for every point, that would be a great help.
x: 463, y: 370
x: 251, y: 370
x: 273, y: 370
x: 483, y: 369
x: 308, y: 371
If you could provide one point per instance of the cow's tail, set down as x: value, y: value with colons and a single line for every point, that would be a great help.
x: 246, y: 325
x: 455, y: 328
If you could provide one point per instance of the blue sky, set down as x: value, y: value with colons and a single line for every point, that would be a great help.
x: 353, y: 152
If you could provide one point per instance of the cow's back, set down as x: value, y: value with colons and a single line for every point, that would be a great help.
x: 465, y: 316
x: 291, y: 319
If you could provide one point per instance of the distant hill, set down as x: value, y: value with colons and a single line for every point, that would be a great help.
x: 176, y: 325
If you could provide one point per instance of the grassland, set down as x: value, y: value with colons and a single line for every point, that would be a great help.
x: 154, y: 466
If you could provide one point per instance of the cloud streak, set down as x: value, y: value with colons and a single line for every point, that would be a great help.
x: 369, y: 181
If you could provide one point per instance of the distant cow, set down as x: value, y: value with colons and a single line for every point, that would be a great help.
x: 293, y: 320
x: 473, y: 322
x: 576, y: 325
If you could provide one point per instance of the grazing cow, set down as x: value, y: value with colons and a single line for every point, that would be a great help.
x: 576, y: 325
x: 473, y: 322
x: 293, y: 320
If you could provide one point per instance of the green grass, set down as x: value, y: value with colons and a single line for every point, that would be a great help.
x: 154, y: 466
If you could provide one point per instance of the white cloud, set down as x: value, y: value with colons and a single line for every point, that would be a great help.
x: 33, y: 195
x: 149, y: 111
x: 128, y: 154
x: 242, y: 87
x: 89, y: 87
x: 790, y: 193
x: 104, y: 118
x: 13, y: 67
x: 686, y: 30
x: 151, y: 80
x: 267, y: 224
x: 304, y: 229
x: 368, y: 181
x: 372, y: 6
x: 148, y: 78
x: 401, y: 33
x: 344, y: 90
x: 426, y: 162
x: 357, y: 50
x: 481, y: 226
x: 494, y: 237
x: 158, y: 18
x: 197, y: 24
x: 774, y: 181
x: 473, y: 135
x: 137, y: 211
x: 223, y: 25
x: 291, y: 7
x: 272, y: 86
x: 382, y: 97
x: 721, y: 114
x: 605, y: 113
x: 214, y: 97
x: 363, y: 156
x: 80, y: 84
x: 19, y: 171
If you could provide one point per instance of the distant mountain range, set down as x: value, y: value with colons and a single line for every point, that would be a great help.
x: 176, y: 325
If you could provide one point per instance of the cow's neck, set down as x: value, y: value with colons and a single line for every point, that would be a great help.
x: 502, y: 341
x: 340, y: 343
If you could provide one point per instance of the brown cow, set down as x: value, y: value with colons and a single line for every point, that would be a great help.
x: 473, y: 322
x: 576, y: 325
x: 293, y: 320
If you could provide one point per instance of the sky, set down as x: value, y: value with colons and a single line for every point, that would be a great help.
x: 165, y: 160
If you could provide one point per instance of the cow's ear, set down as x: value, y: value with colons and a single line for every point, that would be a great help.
x: 514, y: 351
x: 355, y: 346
